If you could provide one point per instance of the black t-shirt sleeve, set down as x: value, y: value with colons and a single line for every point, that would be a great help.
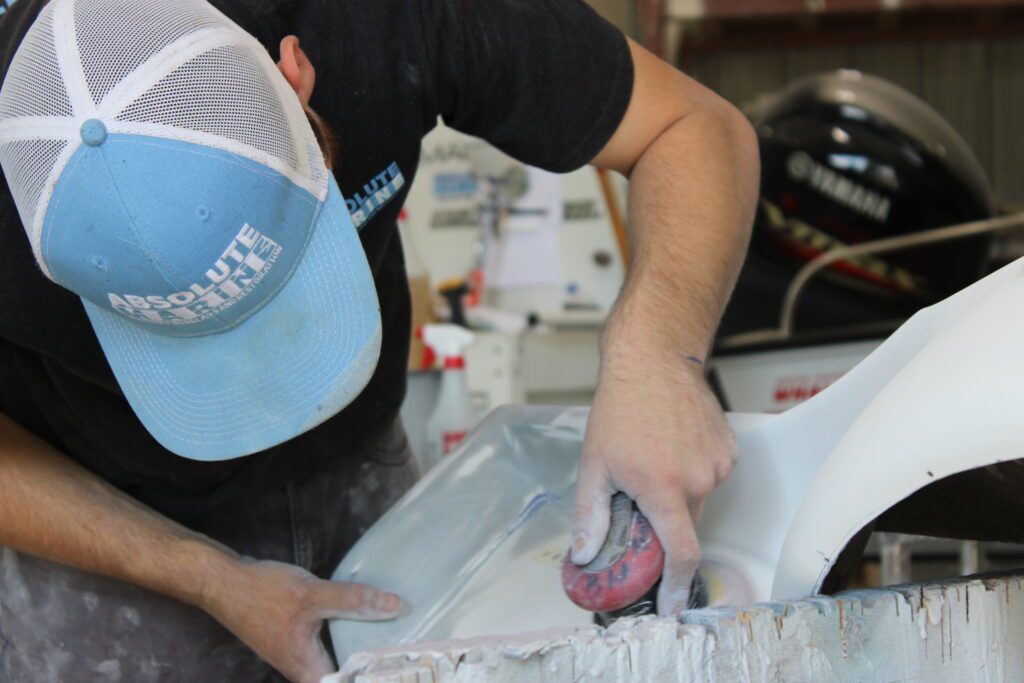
x: 546, y: 81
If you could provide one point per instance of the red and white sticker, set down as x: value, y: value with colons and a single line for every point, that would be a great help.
x: 792, y: 390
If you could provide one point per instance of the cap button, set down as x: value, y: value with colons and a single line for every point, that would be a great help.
x: 94, y: 132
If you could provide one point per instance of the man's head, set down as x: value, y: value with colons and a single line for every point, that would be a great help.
x: 166, y: 172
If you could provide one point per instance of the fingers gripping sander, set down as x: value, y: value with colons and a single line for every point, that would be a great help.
x: 622, y: 579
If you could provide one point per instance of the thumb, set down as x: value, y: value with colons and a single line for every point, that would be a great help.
x: 591, y: 513
x: 355, y: 601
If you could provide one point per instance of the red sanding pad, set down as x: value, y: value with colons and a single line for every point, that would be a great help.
x: 628, y: 564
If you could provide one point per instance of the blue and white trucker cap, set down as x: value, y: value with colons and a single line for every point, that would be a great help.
x: 165, y: 172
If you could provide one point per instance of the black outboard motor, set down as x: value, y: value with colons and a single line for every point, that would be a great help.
x: 847, y: 158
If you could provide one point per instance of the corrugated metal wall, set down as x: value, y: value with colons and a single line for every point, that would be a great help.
x: 978, y: 86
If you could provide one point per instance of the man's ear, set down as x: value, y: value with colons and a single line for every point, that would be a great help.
x: 297, y: 68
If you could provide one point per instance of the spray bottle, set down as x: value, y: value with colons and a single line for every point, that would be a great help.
x: 453, y: 415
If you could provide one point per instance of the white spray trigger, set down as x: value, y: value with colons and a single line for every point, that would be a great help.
x: 446, y: 340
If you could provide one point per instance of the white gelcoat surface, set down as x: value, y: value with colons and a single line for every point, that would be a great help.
x: 468, y: 543
x: 941, y: 396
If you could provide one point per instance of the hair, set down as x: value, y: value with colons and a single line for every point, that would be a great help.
x: 325, y: 137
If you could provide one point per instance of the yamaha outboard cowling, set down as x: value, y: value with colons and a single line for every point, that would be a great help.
x: 848, y: 158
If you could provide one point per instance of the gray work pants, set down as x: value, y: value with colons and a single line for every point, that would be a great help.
x: 58, y: 624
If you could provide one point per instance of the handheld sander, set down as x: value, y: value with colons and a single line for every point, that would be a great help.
x: 623, y: 578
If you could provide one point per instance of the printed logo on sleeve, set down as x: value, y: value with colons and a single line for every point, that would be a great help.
x: 241, y: 267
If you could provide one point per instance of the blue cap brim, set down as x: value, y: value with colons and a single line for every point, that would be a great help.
x: 297, y: 361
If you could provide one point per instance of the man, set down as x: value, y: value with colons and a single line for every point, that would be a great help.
x: 139, y: 543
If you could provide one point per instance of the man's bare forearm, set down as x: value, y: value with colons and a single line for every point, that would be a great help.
x: 692, y: 197
x: 52, y: 508
x: 656, y: 432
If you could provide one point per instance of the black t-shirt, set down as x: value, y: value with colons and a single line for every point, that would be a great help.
x: 547, y: 81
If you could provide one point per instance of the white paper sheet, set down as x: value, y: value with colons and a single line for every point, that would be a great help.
x: 525, y: 253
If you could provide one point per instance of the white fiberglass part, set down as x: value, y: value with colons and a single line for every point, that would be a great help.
x: 939, y: 397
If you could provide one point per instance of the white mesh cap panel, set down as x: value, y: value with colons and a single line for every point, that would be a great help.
x: 33, y: 86
x: 115, y: 37
x: 175, y: 69
x: 222, y: 92
x: 197, y: 73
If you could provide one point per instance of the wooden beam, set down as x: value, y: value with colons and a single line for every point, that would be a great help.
x: 618, y: 222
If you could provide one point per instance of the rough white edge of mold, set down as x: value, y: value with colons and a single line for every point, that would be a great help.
x: 957, y: 631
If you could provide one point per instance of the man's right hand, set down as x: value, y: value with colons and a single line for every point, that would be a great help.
x: 278, y: 610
